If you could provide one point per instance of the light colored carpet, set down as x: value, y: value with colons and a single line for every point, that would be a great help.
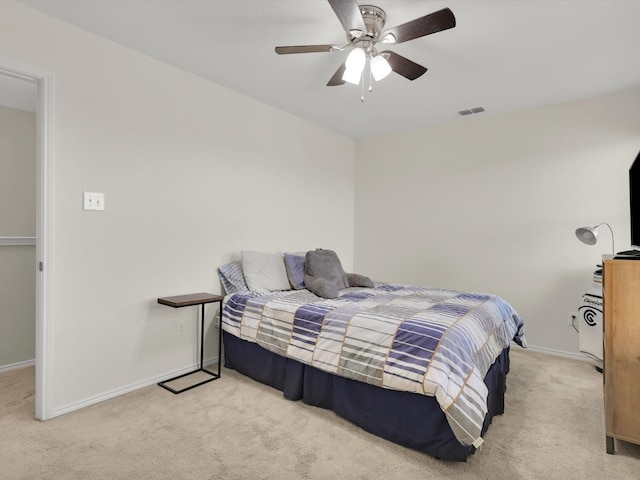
x: 235, y: 428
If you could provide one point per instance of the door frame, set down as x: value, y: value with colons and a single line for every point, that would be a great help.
x: 44, y: 226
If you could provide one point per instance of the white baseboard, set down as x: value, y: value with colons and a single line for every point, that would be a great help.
x: 561, y: 353
x: 127, y: 389
x: 15, y: 366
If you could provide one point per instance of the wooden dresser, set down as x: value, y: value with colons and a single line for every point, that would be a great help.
x: 621, y: 279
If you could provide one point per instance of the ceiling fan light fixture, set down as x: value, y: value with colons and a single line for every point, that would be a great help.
x: 356, y: 60
x: 380, y: 67
x: 364, y: 26
x: 352, y: 76
x: 389, y: 38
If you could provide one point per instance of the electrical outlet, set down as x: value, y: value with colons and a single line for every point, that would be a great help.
x: 572, y: 318
x: 180, y: 328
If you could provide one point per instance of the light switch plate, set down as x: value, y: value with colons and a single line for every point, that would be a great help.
x: 92, y: 201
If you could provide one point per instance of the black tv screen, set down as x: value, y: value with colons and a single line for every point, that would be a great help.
x: 634, y: 201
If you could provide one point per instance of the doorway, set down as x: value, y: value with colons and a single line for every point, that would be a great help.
x: 18, y: 100
x: 43, y: 81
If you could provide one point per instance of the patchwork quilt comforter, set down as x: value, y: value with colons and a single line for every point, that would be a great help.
x: 416, y: 339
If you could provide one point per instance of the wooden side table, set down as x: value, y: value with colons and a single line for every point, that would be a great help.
x: 201, y: 299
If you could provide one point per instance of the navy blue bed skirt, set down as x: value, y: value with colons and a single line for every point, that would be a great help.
x: 409, y: 419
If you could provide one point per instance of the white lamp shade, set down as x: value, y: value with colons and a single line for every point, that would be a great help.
x: 356, y: 60
x: 352, y: 76
x: 588, y: 235
x: 380, y: 68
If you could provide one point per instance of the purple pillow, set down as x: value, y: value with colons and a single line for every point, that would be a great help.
x: 294, y: 264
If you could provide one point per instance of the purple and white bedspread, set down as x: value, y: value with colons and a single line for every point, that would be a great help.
x: 416, y: 339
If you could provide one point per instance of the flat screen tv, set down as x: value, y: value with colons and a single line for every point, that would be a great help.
x: 634, y: 202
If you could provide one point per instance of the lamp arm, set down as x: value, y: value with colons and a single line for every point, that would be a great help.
x: 613, y: 242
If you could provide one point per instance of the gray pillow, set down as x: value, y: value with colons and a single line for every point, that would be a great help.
x: 323, y: 288
x: 357, y: 280
x: 324, y: 275
x: 324, y: 265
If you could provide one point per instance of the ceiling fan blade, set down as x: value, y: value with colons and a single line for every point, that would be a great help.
x: 403, y: 66
x: 348, y: 12
x: 432, y: 23
x: 337, y: 77
x: 303, y: 49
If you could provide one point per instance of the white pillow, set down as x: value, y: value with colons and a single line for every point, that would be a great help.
x: 264, y: 272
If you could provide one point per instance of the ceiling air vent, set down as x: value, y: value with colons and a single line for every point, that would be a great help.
x: 471, y: 110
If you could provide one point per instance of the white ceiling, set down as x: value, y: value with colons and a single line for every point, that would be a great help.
x: 502, y: 55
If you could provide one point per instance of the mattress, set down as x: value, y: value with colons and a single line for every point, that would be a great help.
x: 430, y: 342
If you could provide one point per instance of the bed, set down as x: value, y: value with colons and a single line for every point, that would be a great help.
x: 422, y: 367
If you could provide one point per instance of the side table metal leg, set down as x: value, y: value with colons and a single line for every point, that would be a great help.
x: 611, y: 449
x: 219, y: 338
x: 202, y: 336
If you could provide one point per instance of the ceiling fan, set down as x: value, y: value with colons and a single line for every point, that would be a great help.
x: 364, y: 26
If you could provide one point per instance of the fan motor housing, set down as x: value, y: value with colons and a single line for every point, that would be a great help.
x: 374, y: 19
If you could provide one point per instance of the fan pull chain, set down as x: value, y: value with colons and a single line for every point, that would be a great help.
x: 362, y: 87
x: 370, y: 85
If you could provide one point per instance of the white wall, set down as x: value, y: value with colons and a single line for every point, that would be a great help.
x: 17, y: 219
x: 491, y: 204
x: 192, y: 173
